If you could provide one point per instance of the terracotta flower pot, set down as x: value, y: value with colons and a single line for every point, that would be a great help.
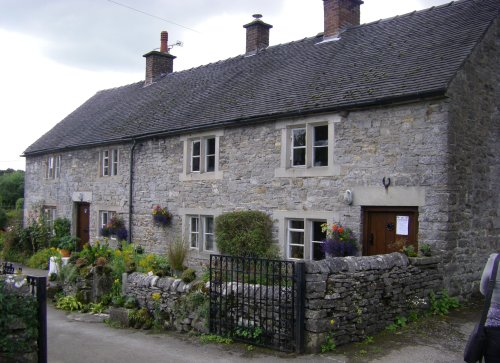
x: 65, y: 253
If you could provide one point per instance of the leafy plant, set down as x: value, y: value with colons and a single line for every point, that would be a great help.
x: 188, y: 275
x: 443, y: 304
x: 244, y: 233
x: 409, y: 251
x: 96, y: 308
x: 17, y: 309
x: 68, y: 242
x: 425, y: 249
x: 69, y: 302
x: 177, y: 253
x: 329, y: 343
x: 68, y: 273
x: 40, y: 259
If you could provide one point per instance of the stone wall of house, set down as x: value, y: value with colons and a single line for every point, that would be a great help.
x: 406, y: 142
x: 473, y: 228
x: 363, y: 295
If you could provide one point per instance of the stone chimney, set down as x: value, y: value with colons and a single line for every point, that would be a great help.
x: 339, y: 14
x: 257, y: 34
x: 159, y: 63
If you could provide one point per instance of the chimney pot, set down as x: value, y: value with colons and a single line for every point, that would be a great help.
x: 159, y: 63
x: 257, y: 34
x: 340, y: 14
x: 164, y: 42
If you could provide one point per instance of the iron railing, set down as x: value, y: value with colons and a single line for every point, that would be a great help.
x: 257, y: 301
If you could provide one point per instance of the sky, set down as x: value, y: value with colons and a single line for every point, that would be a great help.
x: 56, y: 54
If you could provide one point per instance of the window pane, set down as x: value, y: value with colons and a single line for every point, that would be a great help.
x: 195, y: 166
x: 296, y: 224
x: 209, y: 242
x: 299, y: 157
x: 196, y: 148
x: 211, y: 163
x: 194, y: 231
x: 321, y: 136
x: 299, y: 137
x: 211, y: 146
x: 317, y: 234
x: 114, y: 160
x: 321, y: 156
x: 296, y: 252
x: 297, y: 238
x: 317, y: 252
x: 209, y: 225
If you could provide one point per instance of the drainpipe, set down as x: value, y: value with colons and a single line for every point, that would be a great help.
x: 131, y: 183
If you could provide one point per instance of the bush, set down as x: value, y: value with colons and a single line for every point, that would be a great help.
x: 154, y: 263
x: 40, y: 259
x: 3, y: 219
x: 244, y: 233
x: 189, y: 275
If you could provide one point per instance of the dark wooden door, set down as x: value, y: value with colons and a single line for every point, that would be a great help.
x: 82, y: 224
x: 388, y: 230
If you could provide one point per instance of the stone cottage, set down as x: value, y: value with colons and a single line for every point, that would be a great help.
x: 391, y: 128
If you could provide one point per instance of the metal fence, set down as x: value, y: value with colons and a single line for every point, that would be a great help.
x: 258, y: 301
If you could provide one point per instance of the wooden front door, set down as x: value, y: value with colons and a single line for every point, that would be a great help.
x: 389, y: 229
x: 82, y: 224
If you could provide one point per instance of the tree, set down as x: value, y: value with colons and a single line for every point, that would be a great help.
x: 11, y: 187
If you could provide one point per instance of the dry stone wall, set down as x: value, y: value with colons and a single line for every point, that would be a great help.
x: 363, y: 295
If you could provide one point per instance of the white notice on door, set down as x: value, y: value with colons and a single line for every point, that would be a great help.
x: 402, y: 225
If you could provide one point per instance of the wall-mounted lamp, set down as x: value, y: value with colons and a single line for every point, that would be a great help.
x: 348, y: 197
x: 81, y: 197
x: 386, y: 183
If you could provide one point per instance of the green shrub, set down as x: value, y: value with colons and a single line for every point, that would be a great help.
x: 41, y: 258
x: 188, y: 275
x: 244, y: 233
x: 177, y: 253
x: 17, y: 310
x: 69, y: 302
x: 153, y: 263
x: 20, y: 204
x: 3, y: 219
x: 442, y: 305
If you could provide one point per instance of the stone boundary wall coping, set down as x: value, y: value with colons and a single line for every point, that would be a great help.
x: 163, y: 283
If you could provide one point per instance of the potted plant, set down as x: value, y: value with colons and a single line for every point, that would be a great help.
x: 340, y: 241
x: 161, y: 216
x: 67, y: 244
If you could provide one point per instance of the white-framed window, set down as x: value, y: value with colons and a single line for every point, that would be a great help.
x: 53, y: 166
x: 201, y: 233
x: 307, y: 147
x: 201, y: 156
x: 104, y: 218
x: 49, y: 214
x: 304, y: 239
x: 109, y: 162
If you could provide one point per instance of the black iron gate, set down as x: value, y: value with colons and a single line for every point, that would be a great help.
x: 258, y: 301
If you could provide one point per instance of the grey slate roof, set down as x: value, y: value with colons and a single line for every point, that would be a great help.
x: 401, y: 57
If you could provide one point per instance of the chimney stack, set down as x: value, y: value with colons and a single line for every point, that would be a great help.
x: 339, y: 14
x: 159, y: 63
x: 257, y: 34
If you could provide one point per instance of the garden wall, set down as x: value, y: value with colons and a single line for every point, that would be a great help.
x: 363, y: 295
x: 172, y: 292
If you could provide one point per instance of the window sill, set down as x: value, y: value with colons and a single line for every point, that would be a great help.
x: 307, y: 172
x: 214, y: 175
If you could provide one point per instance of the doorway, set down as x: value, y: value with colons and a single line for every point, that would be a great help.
x: 82, y: 224
x: 389, y: 229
